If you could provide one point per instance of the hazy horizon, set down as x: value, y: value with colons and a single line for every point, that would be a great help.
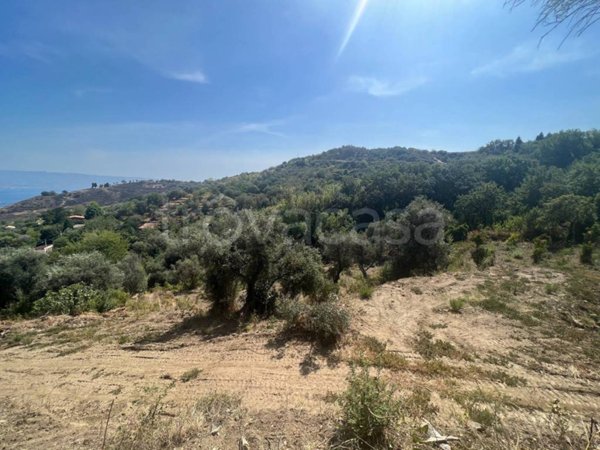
x: 204, y: 90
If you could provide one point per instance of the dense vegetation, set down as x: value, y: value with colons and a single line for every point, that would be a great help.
x: 292, y: 230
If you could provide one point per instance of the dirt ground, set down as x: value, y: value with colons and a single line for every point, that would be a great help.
x: 59, y: 375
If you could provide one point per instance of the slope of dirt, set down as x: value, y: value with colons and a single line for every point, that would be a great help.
x: 58, y: 376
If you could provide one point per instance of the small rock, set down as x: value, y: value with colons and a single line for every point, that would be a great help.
x: 214, y: 430
x: 243, y: 444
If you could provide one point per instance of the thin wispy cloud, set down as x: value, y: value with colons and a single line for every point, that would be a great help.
x: 196, y: 76
x: 33, y: 50
x: 260, y: 127
x: 383, y: 88
x: 358, y: 12
x: 529, y: 57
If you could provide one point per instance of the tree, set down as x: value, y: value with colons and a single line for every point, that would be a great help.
x: 93, y: 210
x: 412, y: 242
x: 563, y: 219
x: 540, y: 185
x: 506, y: 171
x: 20, y: 274
x: 258, y: 256
x: 518, y: 143
x: 363, y: 252
x: 55, y: 216
x: 579, y: 15
x: 561, y: 149
x: 188, y: 272
x: 338, y: 249
x: 135, y: 279
x: 584, y: 175
x: 483, y: 206
x: 111, y: 244
x: 92, y: 269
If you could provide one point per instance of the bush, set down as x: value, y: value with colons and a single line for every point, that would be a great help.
x: 370, y: 412
x: 92, y: 269
x: 540, y: 248
x: 457, y: 304
x: 365, y: 291
x: 134, y: 276
x: 111, y: 244
x: 457, y: 232
x: 483, y: 256
x: 363, y: 287
x: 413, y: 241
x: 71, y: 300
x: 586, y: 255
x: 513, y: 239
x: 21, y: 274
x: 188, y: 272
x: 326, y: 322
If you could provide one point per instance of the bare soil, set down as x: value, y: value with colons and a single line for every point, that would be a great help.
x: 59, y: 375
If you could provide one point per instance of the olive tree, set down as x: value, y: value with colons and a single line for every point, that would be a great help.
x: 259, y: 256
x: 412, y: 241
x: 92, y: 269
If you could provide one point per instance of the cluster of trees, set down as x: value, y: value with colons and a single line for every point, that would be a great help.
x: 294, y: 229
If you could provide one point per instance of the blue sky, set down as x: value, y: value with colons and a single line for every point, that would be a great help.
x: 206, y: 88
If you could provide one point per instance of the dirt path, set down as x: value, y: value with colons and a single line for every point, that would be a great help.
x: 59, y: 377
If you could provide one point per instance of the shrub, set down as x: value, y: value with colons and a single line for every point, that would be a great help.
x: 429, y: 348
x: 413, y: 241
x: 365, y: 291
x: 513, y: 239
x: 21, y: 275
x: 109, y: 243
x: 134, y: 276
x: 457, y: 304
x: 292, y: 312
x: 370, y: 411
x: 586, y: 255
x: 457, y: 232
x: 363, y: 287
x: 188, y: 272
x: 93, y: 210
x: 190, y: 375
x: 369, y: 351
x: 540, y: 248
x: 71, y: 300
x: 482, y: 255
x: 326, y: 322
x: 92, y: 269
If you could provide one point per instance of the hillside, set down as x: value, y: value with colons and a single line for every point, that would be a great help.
x: 336, y: 301
x: 104, y: 195
x: 16, y: 185
x: 362, y: 177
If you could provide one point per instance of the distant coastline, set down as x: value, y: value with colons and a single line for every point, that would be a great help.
x: 16, y: 185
